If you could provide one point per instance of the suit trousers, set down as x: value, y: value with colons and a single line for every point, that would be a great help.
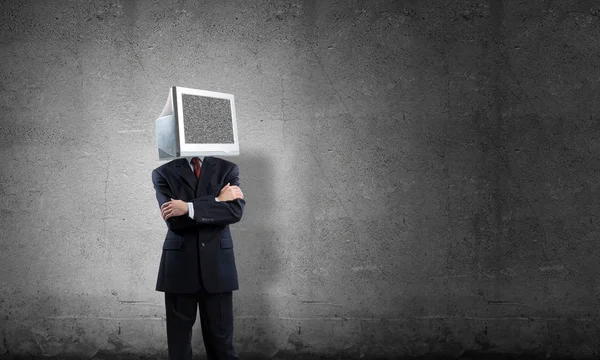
x: 216, y: 319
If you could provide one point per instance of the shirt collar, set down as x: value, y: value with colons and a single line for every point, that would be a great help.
x: 189, y: 158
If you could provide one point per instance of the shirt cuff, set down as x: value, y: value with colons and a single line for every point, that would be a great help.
x: 217, y: 199
x: 191, y: 210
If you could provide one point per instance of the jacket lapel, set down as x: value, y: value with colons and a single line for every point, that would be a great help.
x: 185, y: 171
x: 207, y: 164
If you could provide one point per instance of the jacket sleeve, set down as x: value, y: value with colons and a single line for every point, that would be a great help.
x: 207, y: 211
x: 164, y: 194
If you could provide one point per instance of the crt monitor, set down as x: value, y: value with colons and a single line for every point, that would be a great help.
x: 197, y: 123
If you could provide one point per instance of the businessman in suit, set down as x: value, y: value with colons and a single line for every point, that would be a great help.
x: 198, y: 200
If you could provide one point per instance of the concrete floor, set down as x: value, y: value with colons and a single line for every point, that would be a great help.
x: 292, y: 356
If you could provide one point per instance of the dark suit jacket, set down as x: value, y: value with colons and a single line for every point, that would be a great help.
x: 201, y: 246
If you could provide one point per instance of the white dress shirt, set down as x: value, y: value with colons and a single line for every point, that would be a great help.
x: 191, y: 164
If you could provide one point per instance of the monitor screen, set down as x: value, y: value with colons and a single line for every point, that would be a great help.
x: 207, y: 120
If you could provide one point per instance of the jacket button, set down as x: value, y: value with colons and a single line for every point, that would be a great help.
x: 202, y: 244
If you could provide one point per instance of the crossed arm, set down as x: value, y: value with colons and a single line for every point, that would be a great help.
x: 226, y: 209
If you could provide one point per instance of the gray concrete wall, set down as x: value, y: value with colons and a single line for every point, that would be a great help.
x: 421, y: 176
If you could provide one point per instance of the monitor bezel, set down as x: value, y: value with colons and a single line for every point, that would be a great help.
x: 195, y: 149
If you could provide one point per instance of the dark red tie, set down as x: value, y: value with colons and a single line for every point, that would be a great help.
x: 196, y: 162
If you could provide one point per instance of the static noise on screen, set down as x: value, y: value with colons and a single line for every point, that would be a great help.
x: 207, y: 120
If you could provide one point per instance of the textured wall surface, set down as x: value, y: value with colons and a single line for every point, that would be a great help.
x: 421, y: 177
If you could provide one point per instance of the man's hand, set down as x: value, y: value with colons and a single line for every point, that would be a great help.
x: 173, y: 208
x: 229, y: 192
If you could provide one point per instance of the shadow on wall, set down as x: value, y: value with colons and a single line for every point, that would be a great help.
x: 256, y: 259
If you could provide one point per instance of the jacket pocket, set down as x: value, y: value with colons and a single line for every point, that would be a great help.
x: 226, y: 243
x: 172, y: 244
